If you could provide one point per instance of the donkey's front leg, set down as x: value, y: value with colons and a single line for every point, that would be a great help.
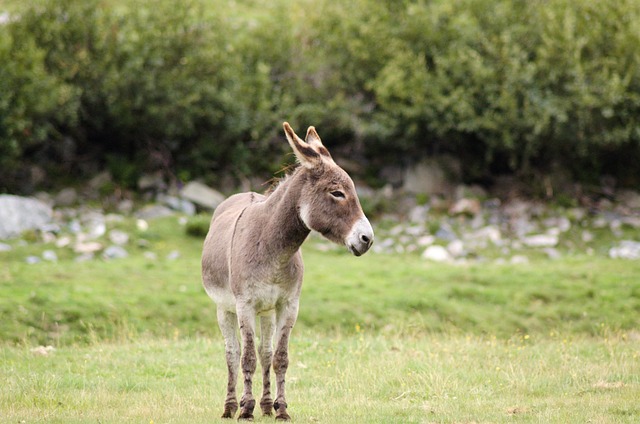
x: 267, y: 328
x: 247, y: 322
x: 286, y: 318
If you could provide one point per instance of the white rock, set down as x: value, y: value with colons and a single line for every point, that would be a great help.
x: 18, y: 214
x: 456, y: 248
x: 32, y: 259
x: 50, y: 255
x: 436, y: 254
x: 519, y: 259
x: 118, y: 237
x: 88, y: 247
x: 627, y: 249
x: 114, y: 252
x: 202, y: 195
x: 541, y: 240
x: 5, y: 247
x: 426, y: 240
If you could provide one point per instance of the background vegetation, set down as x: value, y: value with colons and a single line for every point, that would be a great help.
x: 202, y: 87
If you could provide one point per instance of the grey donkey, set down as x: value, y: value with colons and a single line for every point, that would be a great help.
x: 252, y: 266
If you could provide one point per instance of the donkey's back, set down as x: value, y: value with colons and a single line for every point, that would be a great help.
x: 217, y: 245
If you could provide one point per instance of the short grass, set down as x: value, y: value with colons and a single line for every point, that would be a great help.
x: 366, y: 378
x: 380, y: 339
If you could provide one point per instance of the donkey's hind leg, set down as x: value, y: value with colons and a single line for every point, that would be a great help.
x: 265, y: 351
x: 228, y: 323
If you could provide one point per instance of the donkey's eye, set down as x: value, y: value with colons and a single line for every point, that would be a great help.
x: 337, y: 194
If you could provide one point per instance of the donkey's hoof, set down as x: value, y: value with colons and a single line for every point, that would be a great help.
x: 230, y: 409
x: 283, y: 416
x: 245, y: 416
x: 281, y: 411
x: 267, y: 407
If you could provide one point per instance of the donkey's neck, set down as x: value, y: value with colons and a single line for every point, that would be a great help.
x: 284, y: 229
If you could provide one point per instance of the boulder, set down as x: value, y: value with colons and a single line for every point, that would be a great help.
x: 627, y: 249
x: 202, y: 195
x: 437, y: 253
x: 18, y: 214
x: 431, y: 176
x: 66, y: 197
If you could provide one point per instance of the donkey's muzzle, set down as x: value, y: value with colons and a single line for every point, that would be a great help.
x: 360, y: 238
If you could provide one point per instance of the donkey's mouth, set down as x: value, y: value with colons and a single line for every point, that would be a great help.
x: 354, y: 251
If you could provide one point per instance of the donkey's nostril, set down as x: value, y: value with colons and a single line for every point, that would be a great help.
x: 364, y: 238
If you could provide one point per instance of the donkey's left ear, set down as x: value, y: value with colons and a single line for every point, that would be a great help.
x: 313, y: 139
x: 305, y: 153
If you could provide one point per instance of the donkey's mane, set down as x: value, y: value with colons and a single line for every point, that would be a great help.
x: 285, y: 174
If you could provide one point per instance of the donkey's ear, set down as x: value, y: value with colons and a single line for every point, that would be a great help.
x: 314, y: 141
x: 305, y: 154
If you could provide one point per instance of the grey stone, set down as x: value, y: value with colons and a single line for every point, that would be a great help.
x: 541, y: 240
x: 32, y: 260
x: 437, y: 253
x: 456, y: 248
x: 18, y: 214
x: 85, y: 257
x: 466, y: 206
x: 202, y: 195
x: 626, y: 249
x: 118, y: 237
x: 5, y: 247
x: 173, y: 255
x: 87, y: 247
x: 153, y: 182
x: 419, y: 214
x: 177, y: 204
x: 519, y: 260
x: 125, y: 206
x: 114, y: 252
x: 445, y: 232
x: 426, y: 177
x: 153, y: 212
x: 629, y: 198
x: 552, y: 252
x: 50, y: 255
x: 66, y: 197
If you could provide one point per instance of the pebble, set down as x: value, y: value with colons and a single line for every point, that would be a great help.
x: 50, y: 255
x: 5, y: 247
x: 436, y: 253
x: 114, y: 252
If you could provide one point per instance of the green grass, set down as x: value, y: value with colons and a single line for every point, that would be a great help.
x: 380, y: 339
x: 335, y: 379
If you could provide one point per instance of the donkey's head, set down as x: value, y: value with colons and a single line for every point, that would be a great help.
x: 328, y: 201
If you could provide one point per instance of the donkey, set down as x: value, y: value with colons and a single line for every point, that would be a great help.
x: 252, y: 265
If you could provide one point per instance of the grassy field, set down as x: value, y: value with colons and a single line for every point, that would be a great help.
x: 381, y: 338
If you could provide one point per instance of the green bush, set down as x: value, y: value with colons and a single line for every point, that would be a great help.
x: 201, y: 88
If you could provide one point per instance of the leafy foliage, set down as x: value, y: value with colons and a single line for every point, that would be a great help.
x: 202, y: 88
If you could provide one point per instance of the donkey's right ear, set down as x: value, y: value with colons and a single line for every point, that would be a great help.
x: 305, y: 154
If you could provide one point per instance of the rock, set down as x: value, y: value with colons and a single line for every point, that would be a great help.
x: 173, y: 255
x: 88, y: 247
x: 114, y: 252
x: 66, y: 197
x: 627, y: 249
x: 99, y: 181
x: 519, y: 260
x: 631, y: 221
x: 426, y: 240
x: 541, y: 240
x: 456, y: 248
x: 32, y: 260
x: 85, y: 257
x: 95, y: 223
x: 177, y: 204
x: 489, y: 233
x: 125, y: 206
x: 587, y: 236
x: 153, y: 212
x: 466, y: 206
x: 419, y: 214
x: 437, y: 253
x: 63, y: 241
x: 152, y: 256
x: 50, y: 255
x: 5, y: 247
x: 431, y: 176
x: 552, y: 252
x: 153, y: 182
x: 18, y: 214
x: 118, y: 237
x: 203, y: 196
x: 445, y: 232
x: 629, y: 198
